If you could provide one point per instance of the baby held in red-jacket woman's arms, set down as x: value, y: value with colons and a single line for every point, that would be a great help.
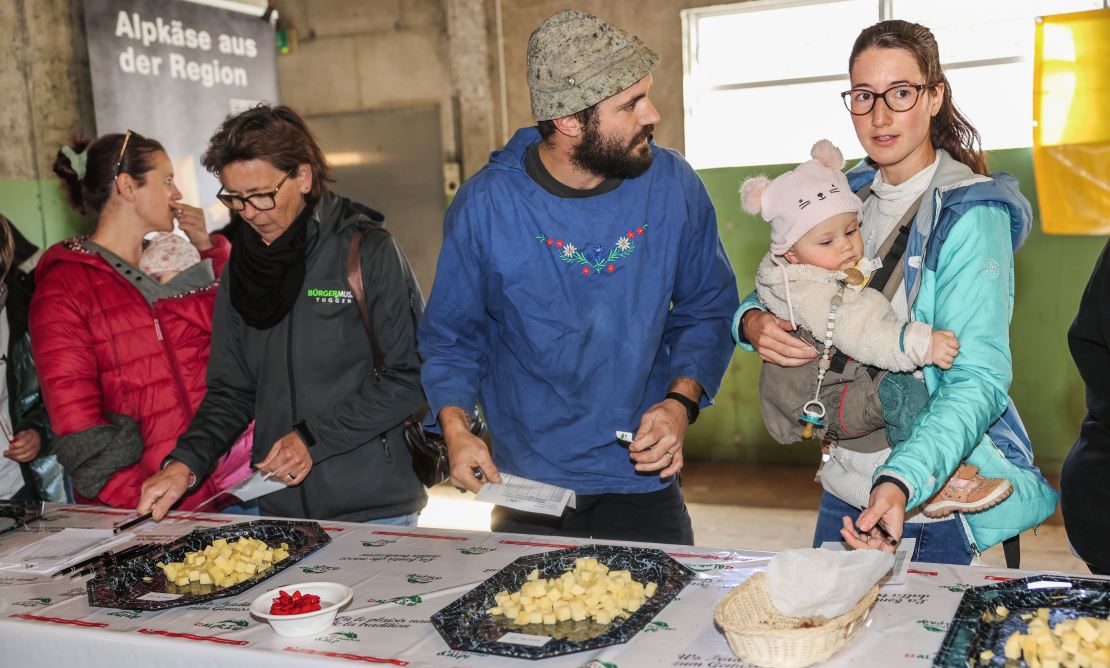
x: 122, y: 356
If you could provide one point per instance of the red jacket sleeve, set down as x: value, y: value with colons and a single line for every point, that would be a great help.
x: 218, y: 253
x: 64, y: 354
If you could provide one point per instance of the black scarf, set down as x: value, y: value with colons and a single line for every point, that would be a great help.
x: 265, y: 280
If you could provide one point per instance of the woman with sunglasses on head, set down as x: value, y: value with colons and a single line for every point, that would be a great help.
x: 289, y: 346
x: 927, y: 196
x: 121, y: 356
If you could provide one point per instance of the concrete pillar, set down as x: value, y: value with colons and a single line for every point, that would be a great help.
x: 44, y: 72
x: 44, y: 67
x: 469, y: 62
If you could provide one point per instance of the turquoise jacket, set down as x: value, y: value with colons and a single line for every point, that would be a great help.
x: 959, y: 275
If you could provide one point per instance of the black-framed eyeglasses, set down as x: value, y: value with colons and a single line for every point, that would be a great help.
x: 260, y: 201
x: 900, y: 98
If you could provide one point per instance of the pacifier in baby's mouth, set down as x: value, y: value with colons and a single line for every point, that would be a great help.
x: 860, y: 275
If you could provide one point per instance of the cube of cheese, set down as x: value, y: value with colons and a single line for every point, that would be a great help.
x: 1086, y: 630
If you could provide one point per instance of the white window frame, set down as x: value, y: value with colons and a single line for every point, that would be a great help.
x: 692, y: 89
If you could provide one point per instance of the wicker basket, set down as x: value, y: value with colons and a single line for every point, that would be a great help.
x: 760, y: 634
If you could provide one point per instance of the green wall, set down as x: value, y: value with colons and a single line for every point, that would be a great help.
x: 39, y: 210
x: 1051, y: 274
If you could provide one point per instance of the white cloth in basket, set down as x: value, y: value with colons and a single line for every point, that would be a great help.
x: 812, y: 582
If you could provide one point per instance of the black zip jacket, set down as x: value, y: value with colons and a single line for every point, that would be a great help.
x: 1084, y: 492
x: 316, y: 365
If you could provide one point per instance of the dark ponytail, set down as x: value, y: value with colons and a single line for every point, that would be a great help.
x: 71, y: 182
x: 949, y: 129
x: 88, y: 193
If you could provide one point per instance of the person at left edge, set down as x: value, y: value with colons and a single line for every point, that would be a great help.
x: 288, y: 346
x: 582, y: 289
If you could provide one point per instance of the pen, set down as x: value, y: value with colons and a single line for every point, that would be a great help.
x: 83, y: 563
x: 882, y: 530
x: 116, y: 558
x: 132, y: 522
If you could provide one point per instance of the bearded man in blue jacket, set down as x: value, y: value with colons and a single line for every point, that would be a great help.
x: 582, y: 289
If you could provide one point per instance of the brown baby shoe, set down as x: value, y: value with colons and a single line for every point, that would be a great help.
x: 967, y: 492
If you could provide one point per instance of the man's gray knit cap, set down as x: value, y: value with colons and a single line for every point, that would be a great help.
x: 576, y: 60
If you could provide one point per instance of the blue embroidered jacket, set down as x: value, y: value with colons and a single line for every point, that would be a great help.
x: 569, y: 318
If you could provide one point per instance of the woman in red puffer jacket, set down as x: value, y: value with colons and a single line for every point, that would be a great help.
x: 121, y: 356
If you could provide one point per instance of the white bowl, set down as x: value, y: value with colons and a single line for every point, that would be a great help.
x: 333, y: 596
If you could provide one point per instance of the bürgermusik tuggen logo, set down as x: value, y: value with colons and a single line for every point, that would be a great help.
x: 330, y: 296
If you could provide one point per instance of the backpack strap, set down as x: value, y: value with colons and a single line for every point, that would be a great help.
x: 892, y: 250
x: 355, y: 280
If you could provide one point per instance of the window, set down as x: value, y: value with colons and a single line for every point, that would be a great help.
x: 762, y: 79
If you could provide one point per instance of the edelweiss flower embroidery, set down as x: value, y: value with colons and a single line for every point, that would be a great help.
x: 597, y: 259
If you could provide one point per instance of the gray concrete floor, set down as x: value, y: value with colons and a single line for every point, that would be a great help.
x: 758, y: 507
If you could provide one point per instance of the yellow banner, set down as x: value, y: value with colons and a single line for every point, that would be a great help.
x: 1071, y: 115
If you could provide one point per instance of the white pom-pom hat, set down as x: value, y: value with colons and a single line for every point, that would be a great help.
x: 799, y: 200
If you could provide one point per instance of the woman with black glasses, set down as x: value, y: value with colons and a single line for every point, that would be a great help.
x: 121, y: 356
x: 946, y: 233
x: 289, y: 346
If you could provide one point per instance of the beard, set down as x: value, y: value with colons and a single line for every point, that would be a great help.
x: 610, y: 157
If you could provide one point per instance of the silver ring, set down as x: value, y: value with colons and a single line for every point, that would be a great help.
x: 292, y: 476
x: 670, y: 456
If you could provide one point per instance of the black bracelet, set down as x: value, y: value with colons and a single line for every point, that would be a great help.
x: 692, y: 408
x: 305, y: 433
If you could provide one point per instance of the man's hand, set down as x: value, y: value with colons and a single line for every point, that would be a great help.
x: 163, y: 489
x: 191, y: 221
x: 662, y: 432
x: 888, y: 504
x: 466, y: 453
x: 771, y: 338
x: 25, y: 446
x: 288, y: 461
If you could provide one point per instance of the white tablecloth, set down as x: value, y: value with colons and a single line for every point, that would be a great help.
x: 401, y: 577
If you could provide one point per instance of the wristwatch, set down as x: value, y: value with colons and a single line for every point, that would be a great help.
x: 692, y: 408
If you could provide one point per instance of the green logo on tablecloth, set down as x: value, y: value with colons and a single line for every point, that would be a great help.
x: 707, y: 567
x: 128, y: 614
x: 957, y: 588
x: 406, y: 600
x: 601, y: 664
x: 416, y: 578
x: 475, y: 550
x: 34, y: 602
x: 658, y: 626
x: 225, y: 624
x: 318, y: 569
x: 338, y: 636
x: 933, y: 625
x: 377, y: 543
